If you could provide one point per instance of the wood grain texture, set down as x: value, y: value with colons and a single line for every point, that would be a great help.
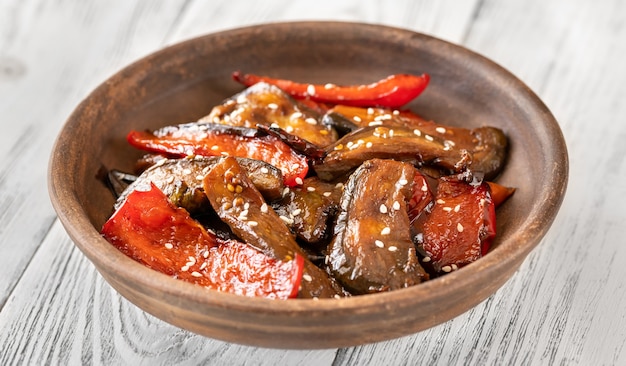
x: 564, y: 306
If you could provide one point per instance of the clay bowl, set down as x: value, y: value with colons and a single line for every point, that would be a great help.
x: 182, y: 82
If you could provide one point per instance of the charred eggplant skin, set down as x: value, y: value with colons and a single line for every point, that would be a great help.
x: 371, y: 250
x: 239, y: 204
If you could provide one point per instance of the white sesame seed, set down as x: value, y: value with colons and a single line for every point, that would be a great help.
x: 396, y: 205
x: 369, y: 144
x: 205, y: 254
x: 285, y: 191
x: 203, y: 266
x: 299, y: 181
x: 385, y: 231
x: 382, y: 208
x: 447, y: 209
x: 424, y: 187
x: 337, y: 296
x: 186, y: 171
x: 252, y: 223
x: 296, y: 115
x: 426, y: 259
x: 296, y: 212
x: 417, y: 132
x: 446, y: 269
x: 295, y: 166
x: 289, y: 129
x: 310, y: 89
x: 329, y: 86
x: 375, y: 123
x: 199, y: 177
x: 196, y: 274
x: 215, y: 147
x: 392, y: 248
x: 264, y: 170
x: 286, y: 219
x: 440, y: 201
x: 356, y: 118
x: 428, y: 137
x: 192, y: 259
x: 457, y: 208
x: 390, y: 132
x: 395, y: 112
x: 311, y: 121
x: 310, y: 189
x: 459, y: 227
x: 370, y: 110
x: 307, y: 277
x: 272, y: 106
x: 327, y: 194
x: 403, y: 182
x: 274, y: 125
x: 169, y: 246
x: 379, y: 244
x: 170, y: 179
x: 264, y: 208
x: 454, y: 267
x: 184, y: 268
x: 440, y: 129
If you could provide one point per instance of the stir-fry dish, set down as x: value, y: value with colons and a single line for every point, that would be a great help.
x: 295, y: 190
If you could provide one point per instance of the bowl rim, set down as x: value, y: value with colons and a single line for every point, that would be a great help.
x: 80, y: 229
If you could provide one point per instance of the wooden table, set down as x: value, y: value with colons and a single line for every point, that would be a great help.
x: 565, y: 305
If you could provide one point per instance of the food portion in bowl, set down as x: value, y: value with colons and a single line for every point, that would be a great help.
x: 312, y: 191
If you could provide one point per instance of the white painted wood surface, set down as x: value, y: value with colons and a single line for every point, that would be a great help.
x: 565, y: 305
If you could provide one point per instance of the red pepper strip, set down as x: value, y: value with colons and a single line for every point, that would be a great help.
x: 150, y: 230
x: 391, y: 92
x: 500, y: 193
x: 461, y: 225
x: 266, y: 148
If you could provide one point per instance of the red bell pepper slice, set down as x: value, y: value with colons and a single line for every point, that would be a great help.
x: 460, y: 226
x: 150, y: 230
x: 181, y: 142
x: 391, y: 92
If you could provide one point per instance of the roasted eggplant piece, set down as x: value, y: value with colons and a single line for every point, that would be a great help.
x: 209, y: 139
x: 265, y: 104
x: 309, y: 209
x: 460, y: 226
x: 371, y: 250
x: 242, y: 207
x: 181, y: 180
x: 487, y: 146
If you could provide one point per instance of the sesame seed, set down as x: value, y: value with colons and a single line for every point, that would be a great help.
x: 392, y: 248
x: 199, y: 177
x: 238, y: 189
x: 424, y: 187
x: 395, y: 112
x: 295, y: 166
x: 440, y: 129
x: 329, y: 86
x: 324, y: 132
x: 375, y: 123
x: 403, y: 182
x: 289, y: 129
x: 417, y: 132
x: 369, y: 144
x: 311, y: 121
x: 357, y: 118
x: 285, y: 191
x: 192, y: 260
x: 186, y: 171
x: 379, y: 244
x: 203, y: 266
x: 272, y: 106
x: 339, y: 147
x: 447, y: 209
x: 252, y: 223
x: 307, y: 277
x: 310, y: 89
x: 196, y: 274
x: 390, y: 132
x: 286, y: 219
x: 264, y: 170
x: 459, y: 227
x: 370, y: 110
x: 337, y: 296
x: 299, y: 181
x: 184, y: 268
x: 169, y: 246
x: 264, y: 208
x: 385, y: 231
x: 327, y: 194
x: 428, y: 137
x: 396, y: 205
x: 205, y: 254
x: 446, y: 269
x: 246, y: 205
x: 296, y: 212
x: 440, y: 201
x: 215, y: 147
x: 170, y: 179
x: 426, y: 259
x: 457, y: 208
x: 296, y: 115
x: 310, y: 189
x: 383, y: 209
x: 339, y: 185
x: 454, y: 267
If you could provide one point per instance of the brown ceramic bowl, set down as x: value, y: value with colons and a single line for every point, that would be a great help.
x: 181, y: 83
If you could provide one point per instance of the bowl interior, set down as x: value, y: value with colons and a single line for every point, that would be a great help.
x: 181, y: 83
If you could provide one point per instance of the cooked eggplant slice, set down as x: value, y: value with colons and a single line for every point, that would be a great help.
x: 309, y: 208
x: 181, y: 180
x: 242, y: 207
x: 487, y: 145
x: 265, y: 104
x: 371, y: 250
